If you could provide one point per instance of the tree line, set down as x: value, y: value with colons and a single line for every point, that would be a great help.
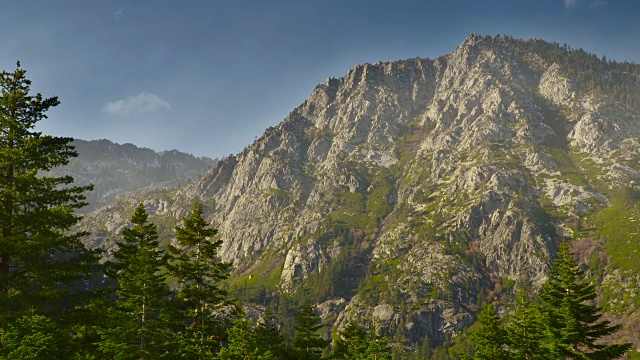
x: 614, y: 82
x: 58, y: 301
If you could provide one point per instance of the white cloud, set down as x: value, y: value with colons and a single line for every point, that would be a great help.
x: 591, y: 4
x: 138, y: 104
x: 569, y: 4
x: 117, y: 15
x: 597, y: 4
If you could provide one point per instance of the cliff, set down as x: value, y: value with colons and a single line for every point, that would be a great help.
x: 408, y: 193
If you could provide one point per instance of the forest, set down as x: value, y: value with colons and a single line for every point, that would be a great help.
x: 138, y: 300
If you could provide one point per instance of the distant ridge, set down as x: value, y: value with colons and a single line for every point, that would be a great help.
x: 114, y: 168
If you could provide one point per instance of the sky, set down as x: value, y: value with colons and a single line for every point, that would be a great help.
x: 207, y: 77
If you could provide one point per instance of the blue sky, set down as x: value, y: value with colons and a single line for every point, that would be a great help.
x: 207, y: 77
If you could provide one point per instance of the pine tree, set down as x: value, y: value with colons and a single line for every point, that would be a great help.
x: 489, y: 336
x: 198, y: 272
x: 424, y: 349
x: 35, y: 337
x: 351, y: 342
x: 41, y: 260
x: 356, y: 343
x: 243, y: 344
x: 138, y: 324
x: 574, y: 324
x: 307, y: 344
x: 378, y: 347
x: 525, y: 329
x: 269, y: 338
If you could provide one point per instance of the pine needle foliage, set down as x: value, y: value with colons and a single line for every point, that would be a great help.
x: 574, y: 323
x: 138, y: 327
x: 199, y: 272
x: 269, y: 337
x: 40, y: 258
x: 565, y: 324
x: 525, y: 330
x: 356, y: 343
x: 243, y: 344
x: 489, y: 335
x: 35, y: 337
x: 307, y: 343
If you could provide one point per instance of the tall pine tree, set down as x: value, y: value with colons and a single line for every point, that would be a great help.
x: 574, y: 324
x: 138, y: 326
x: 307, y: 343
x: 355, y: 343
x: 243, y: 344
x: 198, y: 272
x: 489, y: 336
x: 565, y: 325
x: 525, y: 329
x: 351, y: 342
x: 40, y: 258
x: 269, y: 338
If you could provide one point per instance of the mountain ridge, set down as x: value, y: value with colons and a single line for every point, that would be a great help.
x: 445, y: 181
x: 118, y: 168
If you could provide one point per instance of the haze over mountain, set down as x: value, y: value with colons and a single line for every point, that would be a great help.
x: 408, y: 193
x: 114, y: 169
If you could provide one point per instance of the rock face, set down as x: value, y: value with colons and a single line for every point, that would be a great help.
x: 115, y: 169
x: 421, y: 188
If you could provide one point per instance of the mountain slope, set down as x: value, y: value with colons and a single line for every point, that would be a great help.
x: 409, y: 193
x: 115, y: 168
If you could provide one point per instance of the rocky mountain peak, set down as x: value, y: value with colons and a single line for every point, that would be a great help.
x: 419, y: 189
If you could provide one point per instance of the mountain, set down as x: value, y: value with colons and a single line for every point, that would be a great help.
x: 115, y: 168
x: 406, y: 194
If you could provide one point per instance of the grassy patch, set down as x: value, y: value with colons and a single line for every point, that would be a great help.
x: 619, y: 225
x: 258, y: 284
x: 570, y: 172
